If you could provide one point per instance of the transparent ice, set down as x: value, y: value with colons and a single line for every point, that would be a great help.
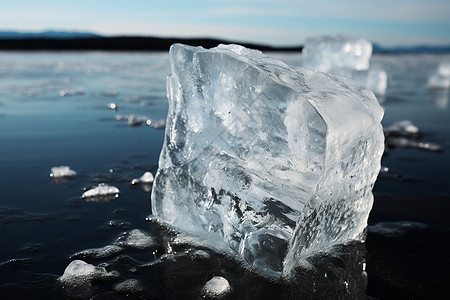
x: 328, y: 53
x: 344, y: 56
x: 263, y: 161
x: 440, y: 79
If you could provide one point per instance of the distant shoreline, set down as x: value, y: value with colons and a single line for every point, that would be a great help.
x: 121, y: 44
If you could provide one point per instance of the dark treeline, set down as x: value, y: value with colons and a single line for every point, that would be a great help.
x: 122, y: 44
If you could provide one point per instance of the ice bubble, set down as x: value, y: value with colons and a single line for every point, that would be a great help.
x: 135, y: 239
x: 264, y: 161
x: 146, y: 178
x: 101, y: 193
x: 441, y: 78
x: 216, y: 287
x: 62, y: 171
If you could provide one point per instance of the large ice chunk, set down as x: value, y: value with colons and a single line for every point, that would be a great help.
x: 265, y: 161
x: 327, y: 53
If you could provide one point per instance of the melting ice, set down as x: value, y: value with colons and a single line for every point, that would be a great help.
x: 264, y: 161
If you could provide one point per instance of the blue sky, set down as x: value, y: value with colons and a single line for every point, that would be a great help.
x: 274, y: 22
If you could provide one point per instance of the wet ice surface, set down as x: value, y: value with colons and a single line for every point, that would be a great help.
x: 44, y: 225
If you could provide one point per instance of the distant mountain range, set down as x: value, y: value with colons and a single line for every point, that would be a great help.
x: 50, y: 34
x: 73, y: 40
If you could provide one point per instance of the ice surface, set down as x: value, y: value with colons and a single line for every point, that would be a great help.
x: 327, y: 53
x: 344, y: 56
x: 265, y: 161
x: 216, y: 287
x: 441, y: 78
x: 62, y: 171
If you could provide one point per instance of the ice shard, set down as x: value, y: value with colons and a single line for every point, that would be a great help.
x: 263, y: 161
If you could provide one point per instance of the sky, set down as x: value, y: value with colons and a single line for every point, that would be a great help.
x: 271, y: 22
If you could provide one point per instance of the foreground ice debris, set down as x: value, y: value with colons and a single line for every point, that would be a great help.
x: 441, y: 78
x: 216, y: 287
x: 62, y: 171
x: 146, y: 178
x: 80, y: 270
x: 101, y: 193
x: 345, y: 56
x: 265, y: 161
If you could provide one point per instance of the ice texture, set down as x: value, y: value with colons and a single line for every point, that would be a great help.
x: 441, y: 78
x: 263, y: 161
x: 327, y: 53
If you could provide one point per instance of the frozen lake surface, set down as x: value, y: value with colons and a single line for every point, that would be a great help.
x: 96, y: 113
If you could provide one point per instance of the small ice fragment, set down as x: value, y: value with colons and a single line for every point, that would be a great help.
x: 112, y: 106
x: 216, y: 287
x: 146, y: 178
x: 402, y: 128
x: 135, y: 239
x: 62, y: 171
x: 80, y: 269
x: 441, y: 78
x: 101, y: 193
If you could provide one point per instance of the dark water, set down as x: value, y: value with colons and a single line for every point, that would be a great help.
x: 53, y: 111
